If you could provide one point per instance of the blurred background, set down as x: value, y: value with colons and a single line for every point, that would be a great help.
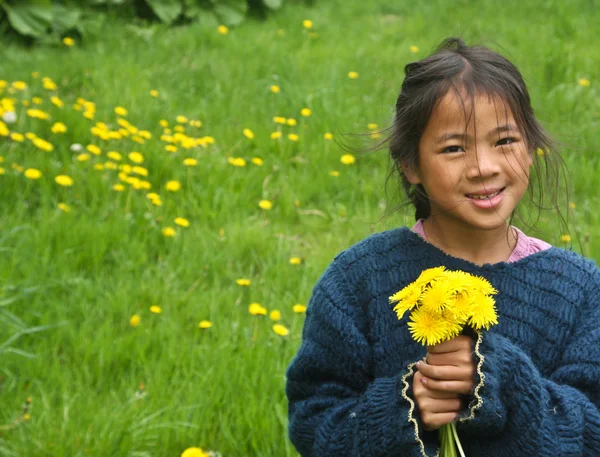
x: 175, y: 175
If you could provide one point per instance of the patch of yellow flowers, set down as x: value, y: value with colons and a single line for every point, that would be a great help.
x: 441, y: 302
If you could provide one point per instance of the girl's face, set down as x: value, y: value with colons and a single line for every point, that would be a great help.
x: 474, y: 174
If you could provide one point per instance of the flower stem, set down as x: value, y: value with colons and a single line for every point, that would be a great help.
x: 456, y: 439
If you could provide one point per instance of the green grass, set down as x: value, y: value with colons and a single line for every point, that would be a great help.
x: 78, y: 277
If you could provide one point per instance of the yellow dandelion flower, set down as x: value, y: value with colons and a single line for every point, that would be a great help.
x: 42, y: 144
x: 170, y: 148
x: 275, y: 315
x: 572, y: 205
x: 414, y: 49
x: 295, y: 260
x: 35, y: 113
x: 305, y: 112
x: 182, y: 119
x: 118, y: 187
x: 279, y: 120
x: 237, y: 161
x: 154, y: 93
x: 437, y: 297
x: 169, y: 232
x: 2, y: 171
x: 565, y: 238
x: 248, y: 134
x: 64, y: 180
x: 58, y: 127
x: 121, y: 111
x: 223, y: 29
x: 347, y: 159
x: 33, y: 173
x: 257, y: 161
x: 281, y: 330
x: 19, y: 85
x: 483, y: 313
x: 275, y: 135
x: 57, y: 101
x: 328, y: 136
x: 353, y: 75
x: 94, y: 149
x: 299, y: 308
x: 173, y: 186
x: 68, y: 41
x: 114, y: 155
x: 372, y: 126
x: 291, y: 122
x: 427, y: 328
x: 407, y: 298
x: 37, y: 101
x: 18, y: 137
x: 265, y: 204
x: 139, y: 170
x: 275, y: 89
x: 257, y: 310
x: 293, y: 137
x: 182, y: 222
x: 49, y: 84
x: 189, y: 162
x: 136, y: 157
x: 583, y: 82
x: 429, y: 275
x: 135, y: 320
x: 307, y: 24
x: 334, y: 173
x: 155, y: 309
x: 205, y: 324
x: 64, y: 207
x: 243, y: 282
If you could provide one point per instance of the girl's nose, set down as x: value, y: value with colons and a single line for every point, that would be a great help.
x: 483, y: 163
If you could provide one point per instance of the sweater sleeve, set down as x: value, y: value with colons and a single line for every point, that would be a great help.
x: 336, y: 406
x: 525, y: 413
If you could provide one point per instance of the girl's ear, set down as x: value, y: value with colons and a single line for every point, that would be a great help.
x: 411, y: 174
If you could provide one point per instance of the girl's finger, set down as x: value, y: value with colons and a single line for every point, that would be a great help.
x: 433, y: 405
x: 433, y: 421
x: 457, y: 387
x: 445, y: 372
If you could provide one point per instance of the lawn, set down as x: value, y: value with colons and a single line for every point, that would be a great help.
x: 104, y: 287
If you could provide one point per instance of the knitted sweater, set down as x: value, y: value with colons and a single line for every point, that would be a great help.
x: 538, y: 383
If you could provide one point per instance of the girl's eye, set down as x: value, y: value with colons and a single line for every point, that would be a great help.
x: 506, y: 141
x: 451, y: 149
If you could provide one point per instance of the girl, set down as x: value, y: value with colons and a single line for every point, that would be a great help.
x: 464, y: 140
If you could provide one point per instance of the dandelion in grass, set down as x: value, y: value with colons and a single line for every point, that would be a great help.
x: 257, y: 161
x: 305, y: 112
x: 248, y: 134
x: 275, y: 89
x: 64, y: 207
x: 223, y: 30
x: 154, y: 93
x: 276, y: 135
x: 94, y: 149
x: 275, y: 315
x: 169, y: 232
x: 256, y: 309
x: 173, y: 186
x: 43, y: 144
x: 135, y: 320
x: 2, y: 171
x: 120, y: 111
x: 414, y: 49
x: 295, y: 260
x: 190, y: 162
x: 291, y: 122
x: 243, y: 282
x: 299, y: 308
x: 182, y: 222
x: 265, y: 204
x: 307, y: 24
x: 58, y: 127
x: 57, y: 101
x: 236, y: 161
x: 293, y: 137
x: 279, y: 120
x: 68, y: 41
x: 353, y: 75
x: 347, y: 159
x: 37, y: 101
x: 19, y: 85
x: 118, y: 187
x: 64, y: 180
x: 281, y: 330
x: 171, y: 148
x: 565, y: 238
x: 572, y: 205
x: 328, y: 136
x: 182, y: 119
x: 583, y: 82
x: 334, y: 173
x: 17, y: 137
x: 205, y: 324
x: 136, y: 157
x: 155, y: 309
x: 33, y: 173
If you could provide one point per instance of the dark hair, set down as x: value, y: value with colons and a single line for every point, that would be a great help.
x: 473, y: 70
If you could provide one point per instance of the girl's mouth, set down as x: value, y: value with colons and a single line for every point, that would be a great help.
x: 487, y: 201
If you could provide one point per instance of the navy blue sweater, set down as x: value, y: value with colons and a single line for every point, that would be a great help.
x: 538, y: 384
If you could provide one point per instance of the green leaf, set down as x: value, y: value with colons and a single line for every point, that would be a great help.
x: 166, y: 10
x: 231, y: 12
x: 30, y: 18
x: 64, y: 18
x: 272, y: 4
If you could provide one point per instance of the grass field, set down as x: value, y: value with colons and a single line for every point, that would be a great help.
x: 73, y: 279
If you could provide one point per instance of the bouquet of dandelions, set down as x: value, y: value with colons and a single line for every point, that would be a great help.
x: 441, y: 302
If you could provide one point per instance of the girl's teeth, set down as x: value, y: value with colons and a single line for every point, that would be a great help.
x: 480, y: 197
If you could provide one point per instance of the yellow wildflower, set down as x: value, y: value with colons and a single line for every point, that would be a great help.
x: 139, y: 170
x: 299, y: 308
x: 584, y: 82
x: 265, y: 204
x: 223, y: 29
x: 279, y: 120
x: 305, y: 112
x: 2, y: 171
x: 114, y: 155
x: 328, y: 136
x: 275, y: 315
x: 155, y: 309
x: 169, y: 232
x: 58, y: 127
x: 275, y: 89
x: 64, y: 207
x: 237, y: 161
x: 281, y: 330
x: 182, y: 222
x: 291, y: 122
x: 57, y: 101
x: 334, y: 173
x: 243, y: 282
x: 94, y: 149
x: 483, y: 314
x: 38, y: 114
x: 248, y: 134
x: 572, y: 205
x: 170, y: 148
x: 49, y: 85
x: 414, y: 49
x: 353, y: 75
x: 98, y: 166
x: 33, y: 173
x: 189, y: 162
x: 68, y: 41
x: 256, y: 309
x: 135, y: 320
x: 37, y: 100
x: 293, y: 137
x: 565, y: 238
x: 173, y: 186
x: 307, y: 24
x: 64, y: 180
x: 295, y: 260
x: 118, y: 187
x: 136, y: 157
x: 372, y: 126
x: 275, y: 135
x: 347, y: 159
x: 18, y: 137
x: 205, y: 324
x: 182, y: 119
x: 19, y: 85
x: 154, y: 93
x: 257, y: 161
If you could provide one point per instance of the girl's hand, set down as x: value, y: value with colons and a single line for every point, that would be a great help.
x: 449, y: 366
x: 436, y: 408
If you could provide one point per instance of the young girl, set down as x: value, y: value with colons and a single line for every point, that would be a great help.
x: 464, y: 140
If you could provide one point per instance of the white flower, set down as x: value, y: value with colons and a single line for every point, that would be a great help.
x: 76, y: 147
x: 10, y: 117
